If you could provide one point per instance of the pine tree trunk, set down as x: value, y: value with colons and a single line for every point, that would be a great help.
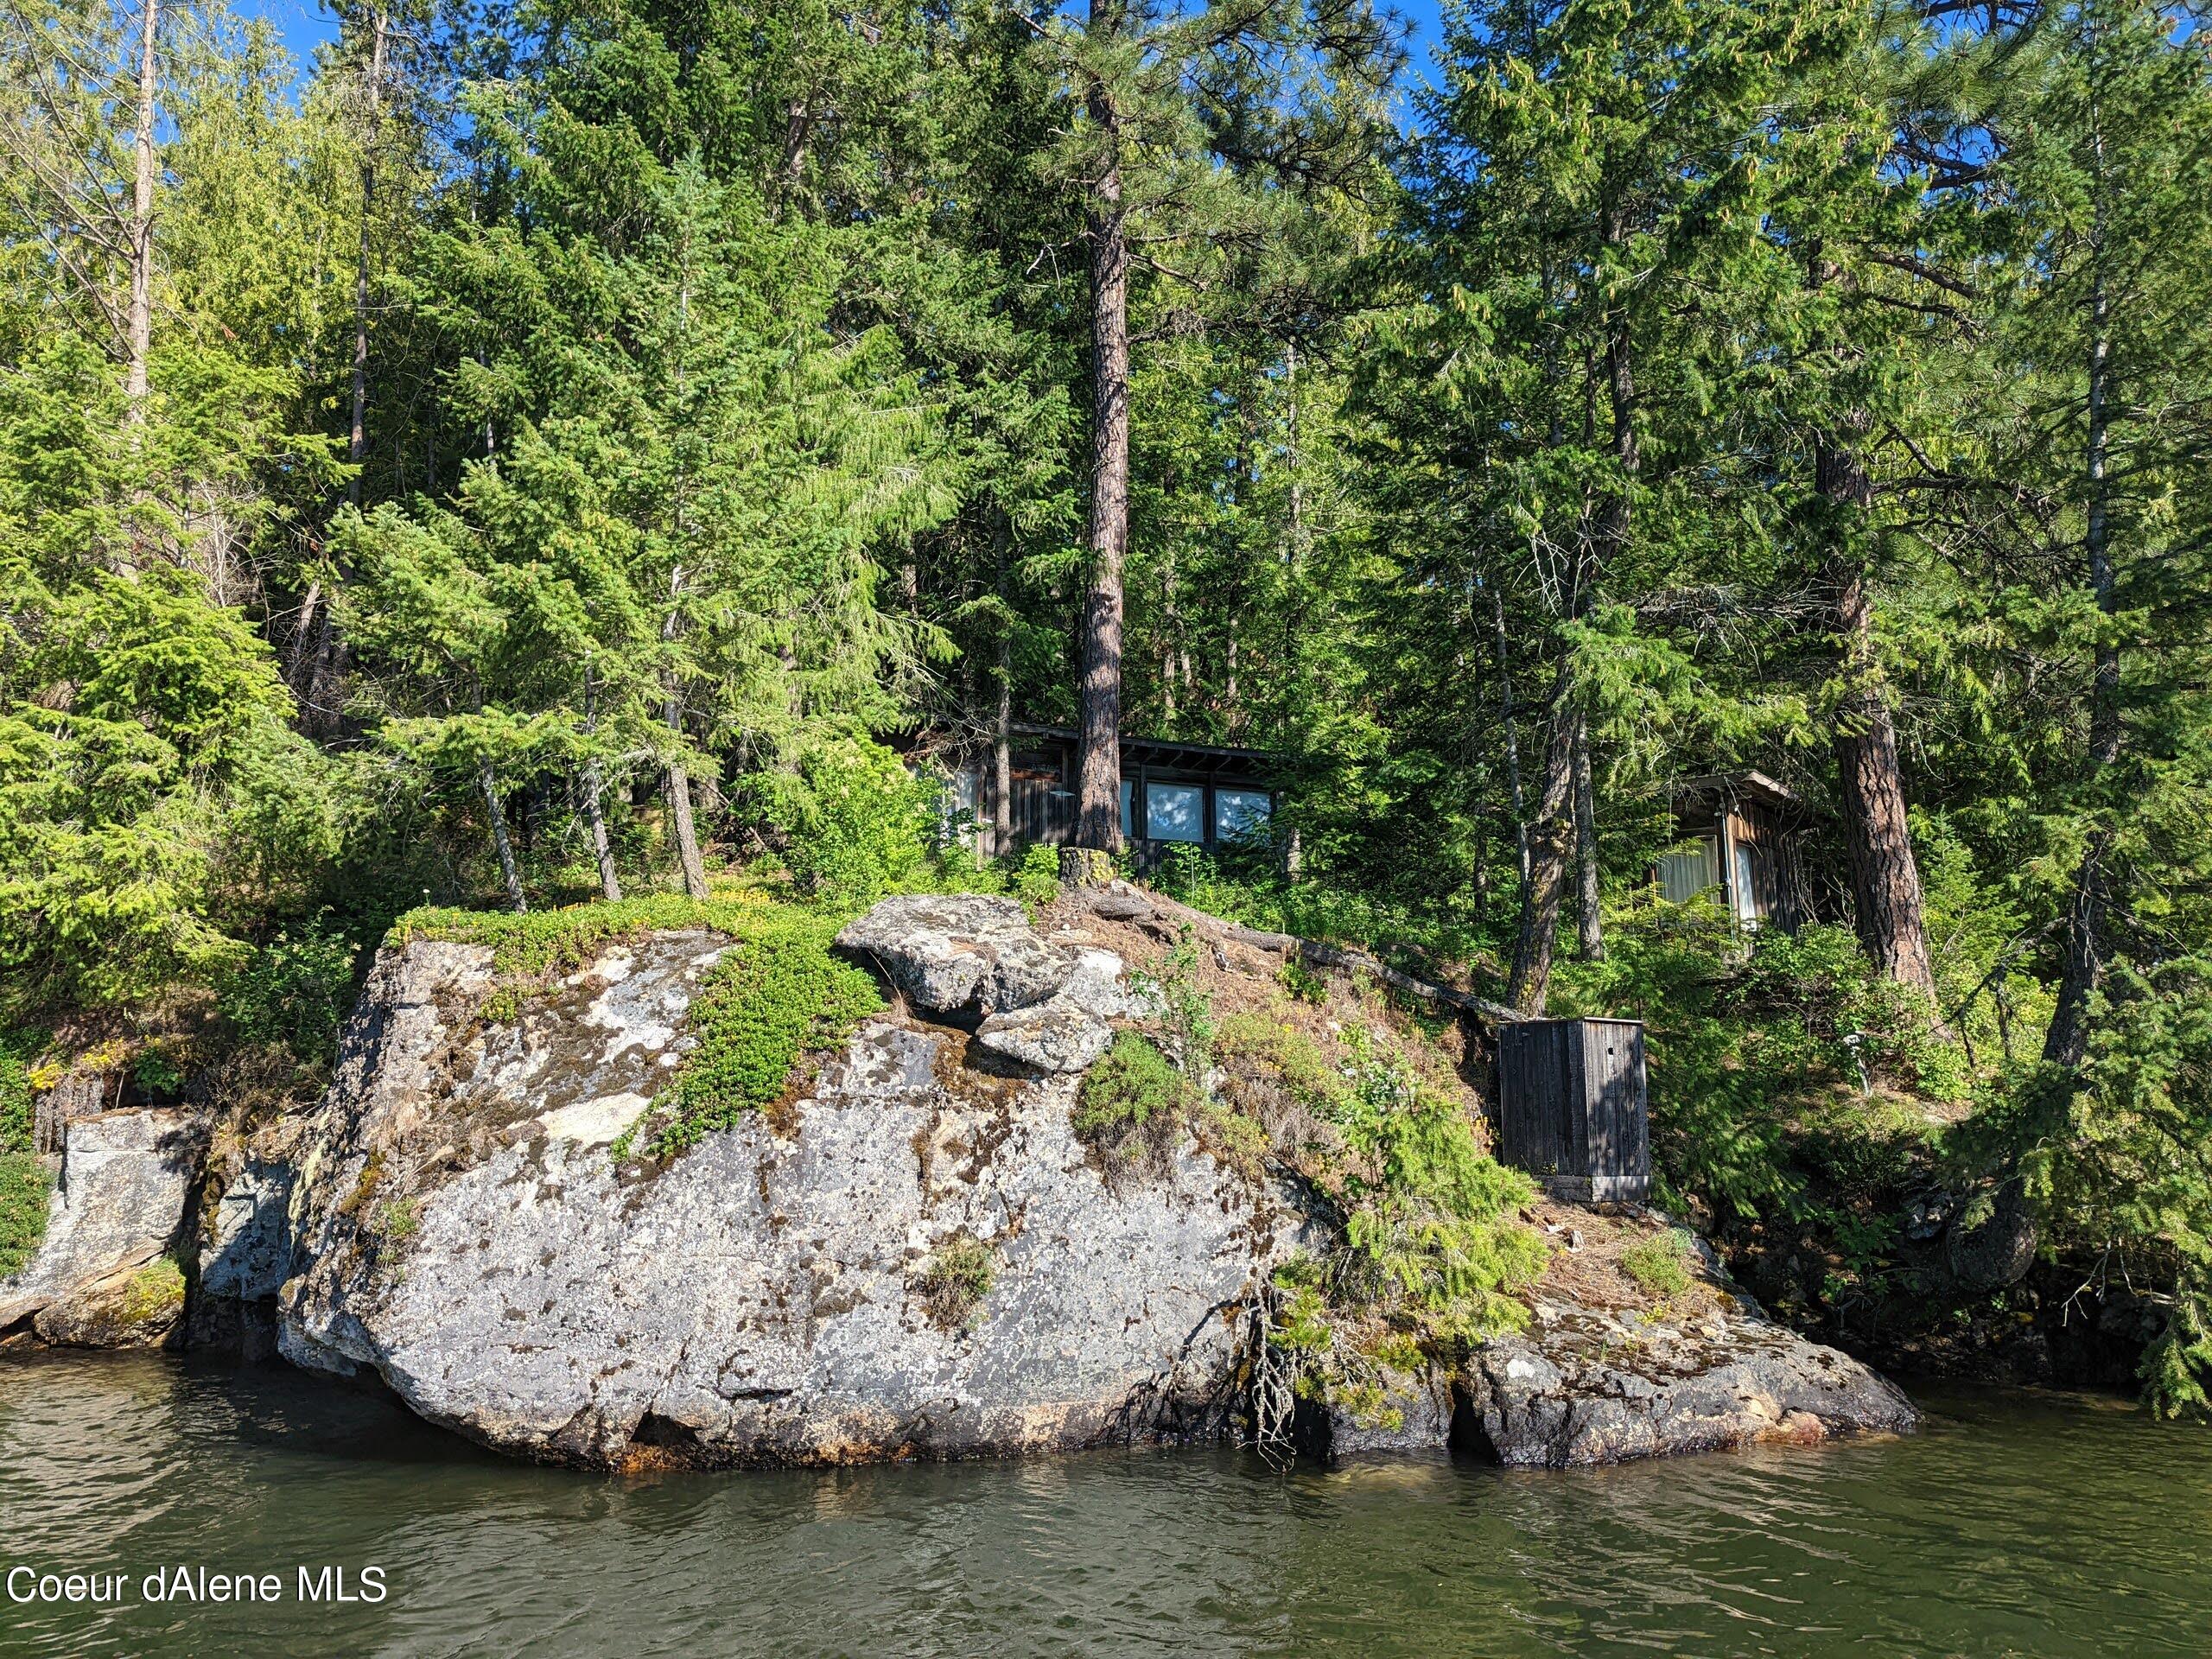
x: 1589, y: 931
x: 357, y: 442
x: 679, y: 780
x: 1551, y: 838
x: 1885, y: 874
x: 687, y: 835
x: 489, y: 783
x: 1099, y: 808
x: 2081, y: 963
x: 1003, y: 755
x: 140, y: 322
x: 602, y: 848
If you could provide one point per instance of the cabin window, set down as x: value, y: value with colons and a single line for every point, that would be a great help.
x: 1685, y: 873
x: 1128, y: 809
x: 1175, y: 811
x: 1747, y: 884
x: 1240, y: 814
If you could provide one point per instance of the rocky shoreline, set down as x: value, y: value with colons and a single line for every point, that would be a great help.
x: 912, y: 1255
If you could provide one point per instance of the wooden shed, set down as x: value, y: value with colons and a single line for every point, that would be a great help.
x: 1739, y: 833
x: 1573, y: 1106
x: 1195, y: 794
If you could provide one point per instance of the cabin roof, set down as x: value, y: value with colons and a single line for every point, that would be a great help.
x: 1209, y: 759
x: 1711, y: 788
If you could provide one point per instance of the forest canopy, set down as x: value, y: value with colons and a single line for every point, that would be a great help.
x: 567, y: 450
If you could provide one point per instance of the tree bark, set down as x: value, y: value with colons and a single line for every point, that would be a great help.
x: 357, y: 442
x: 1884, y: 875
x: 1098, y: 808
x: 679, y: 780
x: 1551, y: 837
x: 489, y: 783
x: 602, y: 848
x: 1003, y: 755
x: 2081, y: 962
x: 1589, y: 929
x: 140, y: 317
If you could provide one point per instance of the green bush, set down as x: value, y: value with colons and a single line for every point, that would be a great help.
x: 958, y: 1275
x: 856, y: 823
x: 777, y: 996
x: 19, y: 1049
x: 293, y: 993
x: 1132, y: 1096
x: 24, y: 1186
x: 1036, y: 880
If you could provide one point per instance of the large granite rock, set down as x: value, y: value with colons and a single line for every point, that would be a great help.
x: 915, y: 1257
x: 955, y: 954
x: 1581, y: 1386
x: 462, y: 1233
x: 117, y: 1204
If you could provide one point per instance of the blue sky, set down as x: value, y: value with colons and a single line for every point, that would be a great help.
x: 306, y: 24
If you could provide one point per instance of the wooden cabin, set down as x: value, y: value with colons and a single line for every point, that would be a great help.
x: 1744, y: 831
x: 1191, y: 794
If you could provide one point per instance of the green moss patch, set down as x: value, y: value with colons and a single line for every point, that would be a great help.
x: 155, y: 1292
x: 1659, y: 1266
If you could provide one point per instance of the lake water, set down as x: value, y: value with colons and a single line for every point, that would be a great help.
x: 2016, y: 1524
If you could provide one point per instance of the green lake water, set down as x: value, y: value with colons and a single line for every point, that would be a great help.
x: 2016, y: 1524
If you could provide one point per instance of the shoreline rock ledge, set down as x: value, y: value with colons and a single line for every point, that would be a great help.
x: 915, y: 1257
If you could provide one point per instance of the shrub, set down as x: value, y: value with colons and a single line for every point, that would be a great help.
x: 777, y: 996
x: 1037, y: 878
x: 1133, y: 1103
x: 24, y: 1188
x: 19, y: 1049
x: 293, y: 993
x: 1659, y: 1266
x: 855, y: 822
x: 958, y: 1275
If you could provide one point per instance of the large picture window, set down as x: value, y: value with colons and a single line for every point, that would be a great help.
x: 1240, y: 814
x: 1175, y: 811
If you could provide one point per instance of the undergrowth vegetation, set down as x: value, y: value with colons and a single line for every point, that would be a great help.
x: 954, y: 1281
x: 23, y: 1183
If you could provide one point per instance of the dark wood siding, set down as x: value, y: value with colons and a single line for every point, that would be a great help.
x: 1573, y: 1106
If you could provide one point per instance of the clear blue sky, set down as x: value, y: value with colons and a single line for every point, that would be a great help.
x: 306, y: 24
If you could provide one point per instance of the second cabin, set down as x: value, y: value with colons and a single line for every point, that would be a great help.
x: 1738, y: 832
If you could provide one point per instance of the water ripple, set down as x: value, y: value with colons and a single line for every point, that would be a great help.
x: 2016, y: 1525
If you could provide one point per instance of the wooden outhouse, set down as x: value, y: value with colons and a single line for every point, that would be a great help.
x: 1573, y: 1106
x: 1738, y: 832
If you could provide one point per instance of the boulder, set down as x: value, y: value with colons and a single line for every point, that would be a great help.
x: 960, y: 954
x: 117, y: 1204
x: 762, y: 1299
x: 913, y: 1257
x: 1582, y: 1386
